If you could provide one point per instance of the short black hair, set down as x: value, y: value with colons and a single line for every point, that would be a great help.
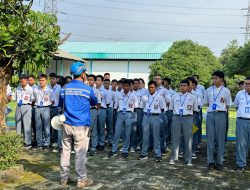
x: 54, y: 75
x: 219, y: 74
x: 43, y: 76
x: 132, y: 81
x: 126, y: 81
x: 152, y: 82
x: 100, y: 76
x: 158, y: 75
x: 242, y: 82
x: 92, y: 76
x: 120, y: 81
x: 32, y: 76
x: 185, y: 81
x: 167, y: 79
x: 106, y: 80
x: 136, y: 79
x: 191, y: 79
x: 21, y: 77
x: 68, y: 77
x: 106, y: 74
x: 142, y: 80
x: 197, y: 76
x: 114, y: 80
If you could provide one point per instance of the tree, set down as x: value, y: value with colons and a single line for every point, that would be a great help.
x: 236, y: 59
x: 184, y: 59
x: 27, y: 41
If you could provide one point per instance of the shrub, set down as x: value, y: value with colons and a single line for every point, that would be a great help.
x: 10, y: 148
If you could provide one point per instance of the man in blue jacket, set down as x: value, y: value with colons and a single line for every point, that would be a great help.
x: 76, y: 99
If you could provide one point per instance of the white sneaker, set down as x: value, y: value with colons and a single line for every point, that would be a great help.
x: 132, y: 150
x: 171, y: 162
x: 189, y: 164
x: 138, y: 148
x: 121, y: 150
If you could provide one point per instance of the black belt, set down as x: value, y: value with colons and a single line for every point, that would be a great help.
x: 182, y: 115
x: 43, y: 106
x: 107, y: 105
x: 243, y: 118
x: 26, y: 104
x: 93, y: 108
x: 219, y: 111
x: 126, y: 111
x: 103, y: 108
x: 152, y: 114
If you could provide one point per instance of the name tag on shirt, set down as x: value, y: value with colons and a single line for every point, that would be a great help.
x: 20, y: 103
x: 181, y: 111
x: 247, y: 110
x: 46, y: 98
x: 148, y: 111
x: 155, y: 107
x: 189, y: 107
x: 26, y: 97
x: 214, y: 106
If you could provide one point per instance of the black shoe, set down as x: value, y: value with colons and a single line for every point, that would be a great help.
x: 142, y: 157
x: 125, y: 155
x: 110, y: 144
x: 158, y: 159
x: 112, y: 154
x: 92, y: 153
x: 240, y: 169
x: 219, y: 167
x: 101, y: 148
x: 46, y: 148
x: 210, y: 166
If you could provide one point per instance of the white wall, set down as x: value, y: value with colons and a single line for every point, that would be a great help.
x: 117, y: 68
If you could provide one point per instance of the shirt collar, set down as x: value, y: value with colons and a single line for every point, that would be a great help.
x: 128, y: 94
x: 153, y: 94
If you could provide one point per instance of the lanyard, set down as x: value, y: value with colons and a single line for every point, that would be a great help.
x: 22, y: 92
x: 149, y: 104
x: 54, y: 89
x: 41, y: 95
x: 247, y: 101
x: 215, y: 98
x: 125, y: 103
x: 182, y: 103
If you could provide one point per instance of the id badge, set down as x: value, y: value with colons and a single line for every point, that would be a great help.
x: 124, y: 110
x: 214, y: 106
x: 148, y: 111
x: 20, y: 103
x: 41, y: 103
x: 247, y: 110
x: 181, y: 111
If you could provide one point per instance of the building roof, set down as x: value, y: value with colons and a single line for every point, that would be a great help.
x: 66, y: 55
x: 117, y: 50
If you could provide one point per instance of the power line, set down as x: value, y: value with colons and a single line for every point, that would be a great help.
x: 151, y: 11
x: 172, y: 6
x: 150, y: 30
x: 146, y: 23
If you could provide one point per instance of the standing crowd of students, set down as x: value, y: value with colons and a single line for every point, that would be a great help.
x: 154, y: 119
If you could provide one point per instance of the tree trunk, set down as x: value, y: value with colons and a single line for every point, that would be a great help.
x: 5, y: 76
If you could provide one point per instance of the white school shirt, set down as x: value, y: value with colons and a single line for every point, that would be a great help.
x: 201, y: 89
x: 97, y: 95
x: 187, y: 102
x: 110, y: 98
x: 199, y: 98
x: 25, y: 94
x: 115, y: 93
x: 128, y: 101
x: 103, y: 96
x: 167, y: 98
x: 242, y: 100
x: 155, y: 103
x: 57, y: 91
x: 171, y: 92
x: 47, y: 96
x: 140, y: 93
x: 8, y: 91
x: 222, y: 96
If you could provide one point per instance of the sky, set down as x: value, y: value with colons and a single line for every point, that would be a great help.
x: 213, y: 23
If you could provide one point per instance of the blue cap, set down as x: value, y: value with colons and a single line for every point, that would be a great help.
x: 77, y: 68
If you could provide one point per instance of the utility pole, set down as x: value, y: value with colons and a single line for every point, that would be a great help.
x: 50, y: 7
x: 247, y: 33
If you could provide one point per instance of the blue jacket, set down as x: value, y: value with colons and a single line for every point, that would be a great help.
x: 77, y: 97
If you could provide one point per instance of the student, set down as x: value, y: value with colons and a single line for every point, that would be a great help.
x: 56, y: 88
x: 24, y: 97
x: 166, y: 82
x: 44, y: 99
x: 101, y: 118
x: 32, y: 83
x: 126, y: 102
x: 242, y: 104
x: 110, y: 98
x: 141, y: 83
x: 218, y: 99
x: 241, y: 85
x: 114, y: 85
x: 184, y: 105
x: 106, y: 76
x: 93, y: 114
x: 119, y: 86
x: 199, y: 87
x: 68, y: 79
x: 153, y: 105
